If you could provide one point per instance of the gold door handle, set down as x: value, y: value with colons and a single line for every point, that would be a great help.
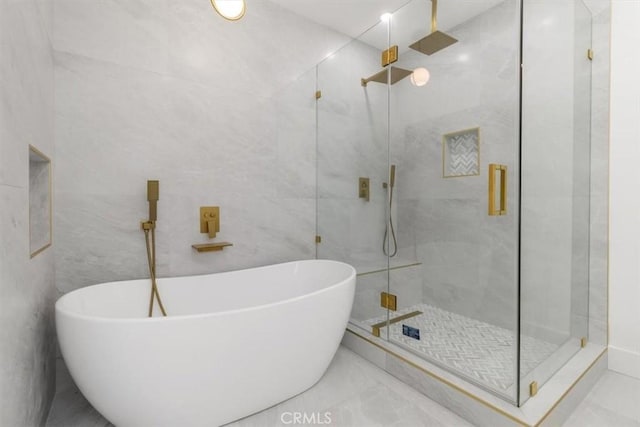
x: 502, y: 210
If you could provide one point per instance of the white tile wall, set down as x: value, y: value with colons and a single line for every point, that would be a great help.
x: 170, y: 91
x: 27, y: 353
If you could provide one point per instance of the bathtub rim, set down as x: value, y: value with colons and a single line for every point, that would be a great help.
x: 101, y: 319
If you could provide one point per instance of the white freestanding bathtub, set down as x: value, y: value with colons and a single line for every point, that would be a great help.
x: 234, y: 343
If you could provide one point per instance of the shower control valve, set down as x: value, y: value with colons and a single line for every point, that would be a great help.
x: 363, y: 188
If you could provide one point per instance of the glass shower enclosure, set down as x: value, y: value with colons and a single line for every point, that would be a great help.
x: 463, y: 203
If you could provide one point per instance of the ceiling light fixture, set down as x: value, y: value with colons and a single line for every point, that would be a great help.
x: 420, y: 77
x: 232, y: 10
x: 385, y: 17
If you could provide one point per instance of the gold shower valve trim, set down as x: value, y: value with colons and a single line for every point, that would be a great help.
x: 210, y: 220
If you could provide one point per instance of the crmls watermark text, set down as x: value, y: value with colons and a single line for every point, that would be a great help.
x: 305, y: 418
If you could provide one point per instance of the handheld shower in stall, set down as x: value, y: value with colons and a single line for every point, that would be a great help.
x: 388, y: 229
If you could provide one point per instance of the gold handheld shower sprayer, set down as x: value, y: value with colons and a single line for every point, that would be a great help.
x: 149, y: 228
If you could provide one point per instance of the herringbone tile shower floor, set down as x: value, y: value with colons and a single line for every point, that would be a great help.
x: 478, y: 350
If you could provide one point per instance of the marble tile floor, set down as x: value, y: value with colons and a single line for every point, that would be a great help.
x: 357, y: 394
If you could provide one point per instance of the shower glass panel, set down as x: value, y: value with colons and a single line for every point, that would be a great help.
x: 352, y: 143
x: 462, y: 290
x: 556, y: 111
x: 463, y: 203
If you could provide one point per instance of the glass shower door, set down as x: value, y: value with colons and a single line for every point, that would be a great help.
x: 352, y: 164
x: 556, y: 144
x: 454, y: 142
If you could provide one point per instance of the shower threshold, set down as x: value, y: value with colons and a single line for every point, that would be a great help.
x: 463, y: 392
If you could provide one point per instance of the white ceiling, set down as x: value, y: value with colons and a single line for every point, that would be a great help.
x: 411, y: 20
x: 350, y: 17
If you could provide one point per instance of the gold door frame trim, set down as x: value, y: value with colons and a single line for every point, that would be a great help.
x: 479, y: 399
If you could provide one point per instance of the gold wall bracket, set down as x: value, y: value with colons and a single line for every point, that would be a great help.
x: 533, y: 388
x: 318, y: 94
x: 210, y: 220
x: 388, y: 301
x: 318, y: 239
x: 583, y: 342
x: 389, y: 56
x: 590, y: 54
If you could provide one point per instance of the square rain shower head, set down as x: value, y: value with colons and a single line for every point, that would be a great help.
x: 434, y: 42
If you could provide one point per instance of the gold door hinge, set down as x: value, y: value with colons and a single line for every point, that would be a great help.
x: 533, y: 388
x: 318, y: 94
x: 389, y: 56
x: 590, y: 54
x: 583, y: 342
x: 318, y: 239
x: 388, y: 301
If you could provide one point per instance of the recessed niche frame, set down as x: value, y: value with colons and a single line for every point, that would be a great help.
x: 461, y: 153
x: 40, y: 204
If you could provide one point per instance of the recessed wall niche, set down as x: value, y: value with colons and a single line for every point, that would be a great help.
x: 39, y: 201
x: 461, y: 153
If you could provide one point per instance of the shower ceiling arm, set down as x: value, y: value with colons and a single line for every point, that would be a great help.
x: 434, y: 16
x: 436, y: 40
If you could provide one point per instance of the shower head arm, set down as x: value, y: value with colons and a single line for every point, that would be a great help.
x: 434, y: 16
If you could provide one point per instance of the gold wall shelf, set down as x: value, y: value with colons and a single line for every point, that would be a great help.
x: 211, y: 247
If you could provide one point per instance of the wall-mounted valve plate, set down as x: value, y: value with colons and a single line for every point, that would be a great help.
x: 363, y: 188
x: 210, y: 220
